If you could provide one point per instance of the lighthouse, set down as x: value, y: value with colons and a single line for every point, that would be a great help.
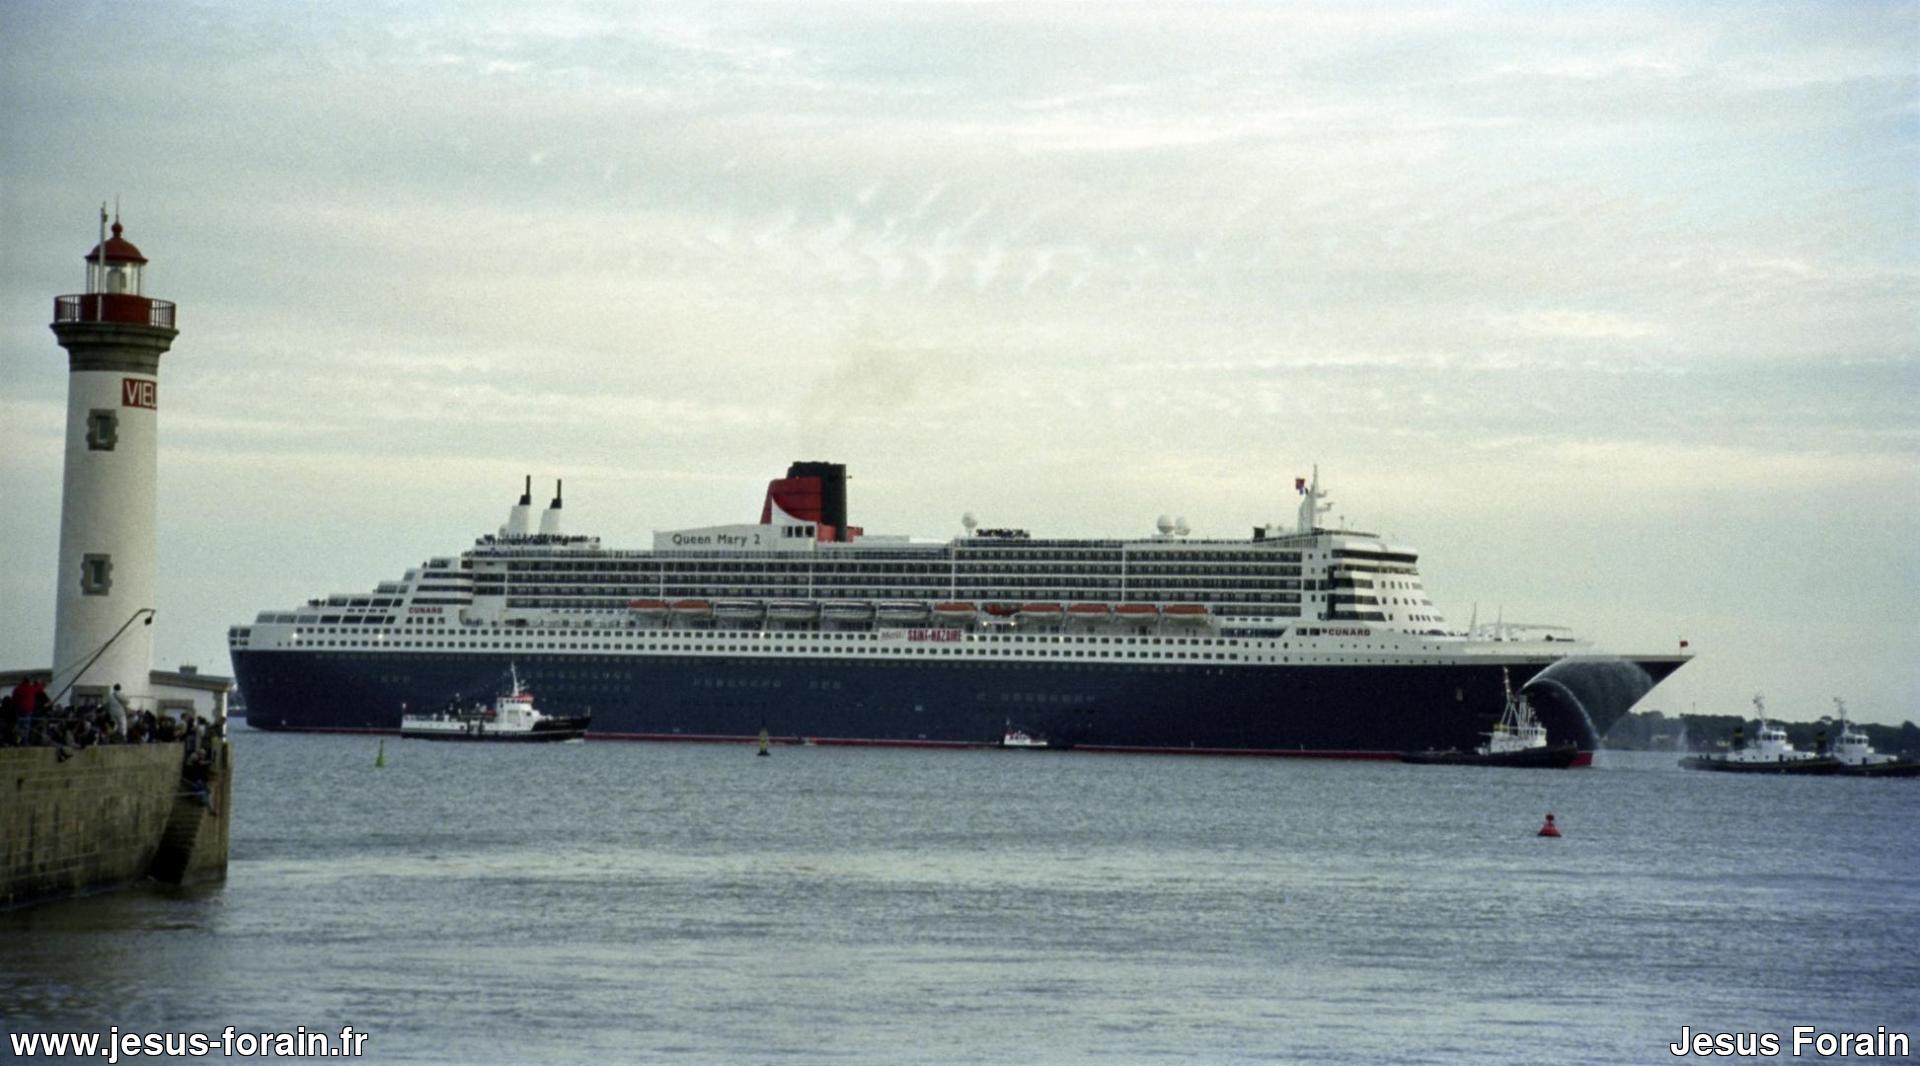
x: 114, y: 334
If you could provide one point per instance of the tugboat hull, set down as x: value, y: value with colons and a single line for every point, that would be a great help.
x: 1555, y: 757
x: 1803, y: 767
x: 1884, y: 769
x: 552, y: 732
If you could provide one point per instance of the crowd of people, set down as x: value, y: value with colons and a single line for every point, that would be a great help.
x: 29, y: 717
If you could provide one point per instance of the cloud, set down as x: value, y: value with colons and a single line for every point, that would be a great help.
x: 1572, y: 324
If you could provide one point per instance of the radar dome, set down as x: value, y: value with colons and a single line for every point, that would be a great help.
x: 968, y: 520
x: 1164, y: 524
x: 1180, y: 526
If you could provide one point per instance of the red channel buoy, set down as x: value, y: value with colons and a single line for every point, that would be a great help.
x: 1549, y: 830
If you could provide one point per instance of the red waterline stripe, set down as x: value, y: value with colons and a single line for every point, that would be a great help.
x: 1269, y: 753
x: 325, y: 729
x: 825, y: 742
x: 1585, y: 758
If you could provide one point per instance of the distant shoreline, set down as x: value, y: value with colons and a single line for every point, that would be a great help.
x: 1658, y: 731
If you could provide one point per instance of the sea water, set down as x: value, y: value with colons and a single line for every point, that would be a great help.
x: 611, y: 902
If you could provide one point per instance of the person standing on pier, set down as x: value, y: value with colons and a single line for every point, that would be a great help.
x: 118, y: 710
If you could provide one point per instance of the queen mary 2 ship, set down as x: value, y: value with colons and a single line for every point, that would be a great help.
x: 1300, y: 641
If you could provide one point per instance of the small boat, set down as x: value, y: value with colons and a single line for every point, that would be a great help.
x: 1002, y: 610
x: 1023, y: 740
x: 1517, y: 739
x: 1769, y: 753
x: 1857, y: 757
x: 847, y: 611
x: 695, y: 609
x: 648, y: 608
x: 792, y: 611
x: 1185, y: 613
x: 1090, y: 613
x: 955, y: 612
x: 739, y: 610
x: 902, y: 612
x: 512, y: 718
x: 1136, y: 614
x: 1042, y: 613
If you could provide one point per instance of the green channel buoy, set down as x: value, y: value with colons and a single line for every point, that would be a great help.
x: 380, y: 759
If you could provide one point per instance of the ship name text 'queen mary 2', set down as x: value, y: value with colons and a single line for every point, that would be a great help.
x: 1300, y: 641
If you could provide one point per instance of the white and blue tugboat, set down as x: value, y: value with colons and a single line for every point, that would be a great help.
x: 1770, y: 752
x: 1857, y: 757
x: 1517, y: 739
x: 511, y: 718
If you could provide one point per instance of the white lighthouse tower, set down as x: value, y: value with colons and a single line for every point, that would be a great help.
x: 114, y: 335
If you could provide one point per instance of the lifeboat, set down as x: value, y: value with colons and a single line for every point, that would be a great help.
x: 692, y: 609
x: 1042, y: 613
x: 903, y: 612
x: 955, y: 612
x: 1136, y: 614
x: 793, y: 611
x: 648, y: 608
x: 847, y: 611
x: 1186, y: 613
x: 740, y: 610
x: 1002, y: 610
x: 1089, y: 612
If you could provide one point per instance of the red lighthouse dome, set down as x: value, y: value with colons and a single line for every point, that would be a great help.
x: 116, y: 249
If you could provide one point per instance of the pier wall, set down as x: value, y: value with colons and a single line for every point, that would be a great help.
x: 106, y: 816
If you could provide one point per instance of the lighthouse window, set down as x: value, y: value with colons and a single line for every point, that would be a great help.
x: 96, y: 574
x: 103, y: 429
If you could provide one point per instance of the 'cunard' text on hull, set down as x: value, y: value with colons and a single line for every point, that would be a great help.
x: 1301, y: 641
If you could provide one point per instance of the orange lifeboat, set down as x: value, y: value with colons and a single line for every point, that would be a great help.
x: 1186, y: 612
x: 1089, y: 612
x: 955, y: 610
x: 693, y: 608
x: 1136, y: 614
x: 647, y: 607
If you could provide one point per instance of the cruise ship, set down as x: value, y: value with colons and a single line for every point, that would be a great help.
x: 1301, y: 640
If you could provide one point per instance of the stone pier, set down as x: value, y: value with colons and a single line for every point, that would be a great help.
x: 106, y: 817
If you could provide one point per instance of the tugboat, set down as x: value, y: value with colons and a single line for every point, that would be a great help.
x: 1518, y: 739
x: 1769, y: 753
x: 1857, y: 757
x: 511, y: 718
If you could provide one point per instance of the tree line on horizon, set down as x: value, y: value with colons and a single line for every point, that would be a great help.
x: 1659, y: 731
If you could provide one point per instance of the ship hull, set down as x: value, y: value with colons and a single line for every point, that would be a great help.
x: 1352, y: 711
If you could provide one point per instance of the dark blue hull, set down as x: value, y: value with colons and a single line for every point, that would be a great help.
x: 1352, y: 711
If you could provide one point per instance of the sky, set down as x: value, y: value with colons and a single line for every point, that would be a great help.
x: 1611, y: 311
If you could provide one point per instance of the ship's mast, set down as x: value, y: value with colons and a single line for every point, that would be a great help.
x: 1311, y: 502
